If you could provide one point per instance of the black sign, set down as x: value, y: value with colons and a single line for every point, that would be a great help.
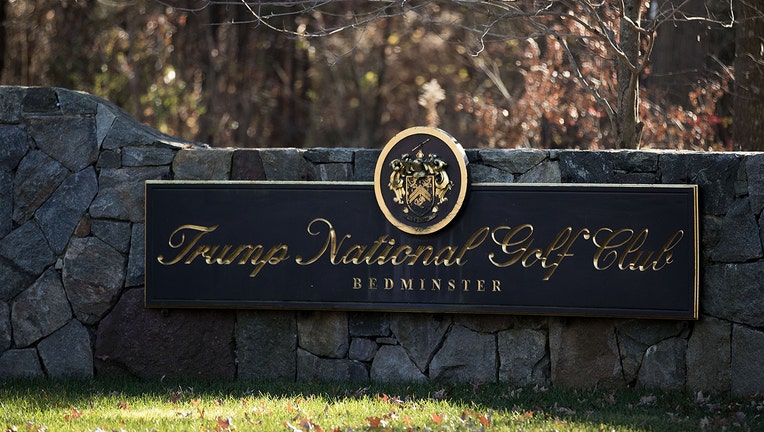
x: 626, y: 251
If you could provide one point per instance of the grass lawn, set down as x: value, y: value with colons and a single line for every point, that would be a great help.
x: 131, y: 405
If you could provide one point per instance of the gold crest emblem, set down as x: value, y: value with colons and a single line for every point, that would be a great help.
x: 415, y: 189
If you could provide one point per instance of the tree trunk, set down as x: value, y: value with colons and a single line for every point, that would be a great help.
x: 629, y: 128
x: 749, y: 78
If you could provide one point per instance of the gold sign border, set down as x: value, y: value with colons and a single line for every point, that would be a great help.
x: 460, y: 156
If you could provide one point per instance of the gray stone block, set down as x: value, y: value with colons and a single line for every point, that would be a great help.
x: 392, y: 364
x: 27, y: 247
x: 329, y: 155
x: 747, y: 352
x: 364, y: 163
x: 121, y: 194
x: 545, y: 172
x: 246, y: 164
x: 466, y: 356
x: 362, y: 349
x: 708, y: 356
x: 488, y: 174
x: 116, y: 233
x: 10, y: 103
x: 135, y: 262
x: 37, y: 177
x: 585, y: 166
x: 20, y: 364
x: 6, y: 203
x: 69, y: 140
x: 420, y: 335
x: 110, y: 159
x: 146, y: 156
x: 311, y: 368
x: 149, y: 343
x: 523, y: 358
x: 734, y: 292
x: 369, y: 324
x: 636, y: 161
x: 715, y: 174
x: 93, y: 276
x: 13, y: 146
x: 584, y: 353
x: 285, y: 164
x: 76, y: 103
x: 12, y: 280
x: 61, y: 213
x: 202, y: 164
x: 754, y: 167
x: 324, y: 334
x: 104, y: 121
x: 664, y: 366
x: 334, y: 172
x: 5, y: 326
x: 739, y: 238
x: 512, y: 161
x: 40, y: 310
x: 41, y: 101
x: 67, y: 353
x: 266, y: 342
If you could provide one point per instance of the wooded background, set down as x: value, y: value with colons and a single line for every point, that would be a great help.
x: 353, y: 73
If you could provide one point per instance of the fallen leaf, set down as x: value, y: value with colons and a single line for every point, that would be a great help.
x: 648, y: 400
x: 224, y: 424
x: 73, y: 415
x: 123, y: 405
x: 485, y: 421
x: 373, y: 422
x: 438, y: 419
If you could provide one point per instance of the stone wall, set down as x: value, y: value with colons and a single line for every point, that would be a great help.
x: 72, y: 169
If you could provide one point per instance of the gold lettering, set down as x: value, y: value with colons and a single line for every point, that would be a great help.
x: 466, y: 284
x: 275, y: 255
x: 481, y: 285
x: 407, y: 285
x: 496, y: 285
x: 609, y: 243
x: 666, y: 249
x: 443, y: 256
x: 624, y: 247
x: 372, y: 283
x: 178, y: 243
x: 436, y: 284
x: 451, y: 284
x: 565, y: 243
x: 428, y: 250
x: 331, y: 242
x: 633, y: 248
x: 389, y: 284
x: 507, y: 242
x: 357, y: 283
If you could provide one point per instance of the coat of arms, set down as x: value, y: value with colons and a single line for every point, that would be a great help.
x: 420, y: 180
x: 420, y: 184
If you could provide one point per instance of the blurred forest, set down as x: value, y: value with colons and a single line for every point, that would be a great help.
x: 217, y: 72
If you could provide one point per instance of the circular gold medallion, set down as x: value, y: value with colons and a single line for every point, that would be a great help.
x: 420, y: 180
